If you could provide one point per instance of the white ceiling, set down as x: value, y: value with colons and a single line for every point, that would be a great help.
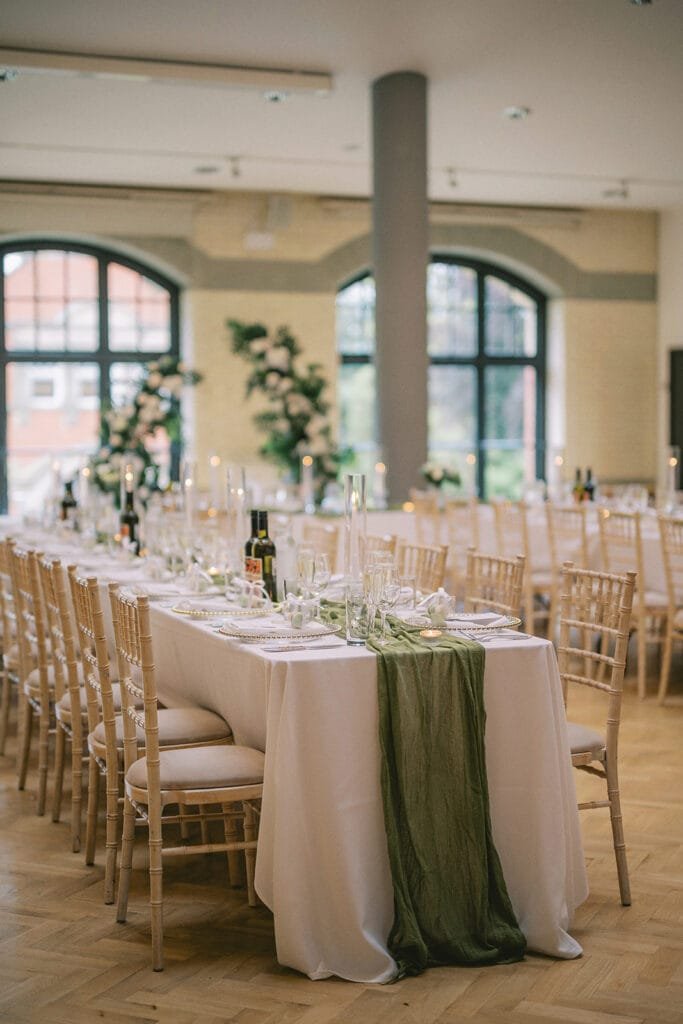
x: 603, y: 78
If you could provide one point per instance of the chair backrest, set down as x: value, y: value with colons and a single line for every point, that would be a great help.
x: 373, y: 543
x: 139, y: 706
x: 462, y: 524
x: 595, y: 603
x: 427, y: 563
x: 31, y: 632
x: 671, y: 533
x: 8, y: 618
x: 324, y: 538
x: 512, y: 534
x: 567, y: 535
x: 92, y: 636
x: 620, y: 544
x: 61, y: 632
x: 427, y: 516
x: 494, y: 583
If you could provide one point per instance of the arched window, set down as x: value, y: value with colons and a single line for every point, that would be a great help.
x: 486, y: 342
x: 76, y: 325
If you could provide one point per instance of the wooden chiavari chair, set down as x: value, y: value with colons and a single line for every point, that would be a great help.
x: 568, y: 539
x: 68, y: 706
x: 9, y: 670
x: 512, y: 536
x: 462, y: 524
x: 621, y: 551
x: 425, y: 562
x: 230, y: 777
x: 427, y: 516
x: 374, y: 543
x: 597, y: 602
x: 36, y: 674
x: 323, y: 538
x: 178, y: 727
x: 493, y: 583
x: 671, y: 533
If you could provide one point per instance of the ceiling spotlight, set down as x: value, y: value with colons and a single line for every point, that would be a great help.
x: 275, y: 96
x: 516, y: 113
x: 621, y: 191
x: 641, y: 3
x: 452, y: 177
x: 207, y: 169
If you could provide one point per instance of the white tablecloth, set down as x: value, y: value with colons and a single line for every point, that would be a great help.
x: 322, y: 864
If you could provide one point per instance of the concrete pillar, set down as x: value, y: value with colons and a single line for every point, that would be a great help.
x: 401, y: 252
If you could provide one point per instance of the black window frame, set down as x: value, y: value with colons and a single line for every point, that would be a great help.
x: 481, y: 359
x: 102, y: 356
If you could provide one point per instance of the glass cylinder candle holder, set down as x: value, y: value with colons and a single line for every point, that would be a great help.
x: 355, y: 524
x: 188, y: 481
x: 379, y: 486
x: 307, y: 485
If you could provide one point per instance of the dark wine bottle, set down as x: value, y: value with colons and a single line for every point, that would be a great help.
x: 589, y: 486
x: 577, y: 489
x: 128, y: 524
x: 69, y: 505
x: 251, y: 541
x: 260, y: 564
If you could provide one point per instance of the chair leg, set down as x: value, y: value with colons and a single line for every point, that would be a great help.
x: 156, y: 889
x: 641, y: 631
x: 43, y: 756
x: 25, y: 746
x: 111, y: 841
x: 235, y: 872
x: 93, y: 803
x: 4, y: 710
x: 76, y: 793
x: 60, y: 749
x: 665, y: 668
x: 250, y: 855
x: 618, y: 832
x: 126, y: 860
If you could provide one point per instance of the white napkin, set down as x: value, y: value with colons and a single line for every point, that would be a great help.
x: 464, y: 620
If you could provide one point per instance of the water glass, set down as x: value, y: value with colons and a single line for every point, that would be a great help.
x: 358, y: 617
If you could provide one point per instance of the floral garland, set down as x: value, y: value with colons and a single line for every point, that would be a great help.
x: 125, y: 430
x: 437, y: 475
x: 296, y: 422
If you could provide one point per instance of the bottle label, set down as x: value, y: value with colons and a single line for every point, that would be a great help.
x: 253, y: 568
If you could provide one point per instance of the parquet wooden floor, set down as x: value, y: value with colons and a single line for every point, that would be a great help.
x: 64, y: 960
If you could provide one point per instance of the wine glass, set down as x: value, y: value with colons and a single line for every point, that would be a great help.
x: 322, y: 573
x: 389, y: 591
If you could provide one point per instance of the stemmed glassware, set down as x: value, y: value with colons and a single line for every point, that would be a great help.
x: 383, y: 588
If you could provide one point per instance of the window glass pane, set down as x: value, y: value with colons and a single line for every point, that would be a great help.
x: 139, y: 312
x: 356, y: 318
x: 51, y: 417
x: 357, y: 410
x: 50, y: 304
x: 124, y: 381
x: 510, y: 320
x: 452, y: 415
x: 510, y: 429
x: 451, y: 310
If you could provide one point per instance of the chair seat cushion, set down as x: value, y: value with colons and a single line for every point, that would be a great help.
x: 583, y: 740
x: 32, y: 683
x: 202, y: 768
x: 10, y: 658
x: 65, y: 702
x: 177, y: 726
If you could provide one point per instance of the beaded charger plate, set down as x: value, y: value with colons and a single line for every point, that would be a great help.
x: 311, y: 631
x: 462, y: 624
x: 205, y: 611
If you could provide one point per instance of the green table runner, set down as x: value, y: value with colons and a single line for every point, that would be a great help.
x: 451, y: 904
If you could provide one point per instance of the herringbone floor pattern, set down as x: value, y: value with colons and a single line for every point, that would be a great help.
x: 64, y: 960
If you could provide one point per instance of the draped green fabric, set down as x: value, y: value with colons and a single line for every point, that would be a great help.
x: 451, y: 904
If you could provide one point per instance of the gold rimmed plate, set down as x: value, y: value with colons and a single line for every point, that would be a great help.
x: 463, y: 624
x: 206, y: 612
x: 254, y: 634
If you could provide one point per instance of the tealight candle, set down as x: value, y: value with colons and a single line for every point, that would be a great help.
x: 431, y: 634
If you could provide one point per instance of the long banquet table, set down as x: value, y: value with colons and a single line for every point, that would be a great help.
x: 322, y: 864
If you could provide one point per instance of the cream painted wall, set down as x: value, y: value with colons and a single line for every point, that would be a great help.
x: 611, y: 388
x: 670, y: 316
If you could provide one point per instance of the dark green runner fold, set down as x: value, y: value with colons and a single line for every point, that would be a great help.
x: 451, y: 904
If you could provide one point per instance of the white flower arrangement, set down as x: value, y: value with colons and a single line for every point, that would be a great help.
x: 438, y: 475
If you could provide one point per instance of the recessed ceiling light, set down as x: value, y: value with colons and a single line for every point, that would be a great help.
x: 207, y: 169
x: 641, y: 3
x: 275, y: 96
x: 516, y: 113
